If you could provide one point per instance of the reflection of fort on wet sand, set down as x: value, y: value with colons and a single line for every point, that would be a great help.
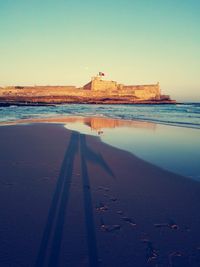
x: 95, y: 123
x: 98, y: 124
x: 52, y: 235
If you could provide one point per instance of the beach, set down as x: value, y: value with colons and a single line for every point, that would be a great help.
x: 69, y: 199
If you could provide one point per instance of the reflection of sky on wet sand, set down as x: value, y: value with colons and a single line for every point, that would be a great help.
x: 176, y: 149
x: 173, y: 148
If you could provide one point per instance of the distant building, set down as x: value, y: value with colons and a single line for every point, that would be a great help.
x: 148, y: 91
x: 96, y: 91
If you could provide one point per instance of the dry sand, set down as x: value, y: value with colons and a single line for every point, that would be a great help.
x: 67, y: 199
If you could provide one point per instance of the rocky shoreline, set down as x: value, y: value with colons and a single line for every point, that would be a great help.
x: 40, y: 101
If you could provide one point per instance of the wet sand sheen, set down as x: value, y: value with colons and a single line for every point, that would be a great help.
x: 68, y: 199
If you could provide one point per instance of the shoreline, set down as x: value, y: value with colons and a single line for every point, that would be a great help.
x: 113, y: 203
x: 91, y: 102
x: 67, y: 117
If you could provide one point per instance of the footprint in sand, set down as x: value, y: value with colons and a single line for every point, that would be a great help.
x: 151, y: 253
x: 171, y: 224
x: 106, y: 189
x: 113, y: 199
x: 109, y: 227
x: 129, y: 220
x: 101, y: 207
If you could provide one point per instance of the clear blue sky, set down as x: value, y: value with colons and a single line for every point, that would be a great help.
x: 132, y: 41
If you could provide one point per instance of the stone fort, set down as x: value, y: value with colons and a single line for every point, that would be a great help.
x: 95, y: 91
x: 143, y: 92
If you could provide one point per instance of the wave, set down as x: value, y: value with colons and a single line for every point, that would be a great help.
x: 185, y: 115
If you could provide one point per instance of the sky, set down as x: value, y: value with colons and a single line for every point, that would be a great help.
x: 66, y: 42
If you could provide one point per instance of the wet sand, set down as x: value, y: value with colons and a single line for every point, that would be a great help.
x: 67, y: 199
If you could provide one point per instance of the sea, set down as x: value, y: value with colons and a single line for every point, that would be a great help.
x: 185, y: 115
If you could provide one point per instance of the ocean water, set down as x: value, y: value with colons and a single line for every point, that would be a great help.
x: 186, y: 115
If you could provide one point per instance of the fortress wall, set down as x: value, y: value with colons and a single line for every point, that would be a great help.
x: 143, y: 87
x: 98, y: 84
x: 144, y: 92
x: 37, y: 90
x: 94, y: 89
x: 52, y: 91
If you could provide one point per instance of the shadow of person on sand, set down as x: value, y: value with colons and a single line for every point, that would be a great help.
x: 58, y: 206
x: 52, y: 235
x: 94, y: 157
x: 87, y: 154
